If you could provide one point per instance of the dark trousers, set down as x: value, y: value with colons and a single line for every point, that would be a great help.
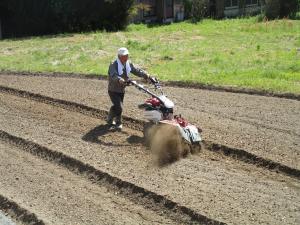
x: 117, y: 107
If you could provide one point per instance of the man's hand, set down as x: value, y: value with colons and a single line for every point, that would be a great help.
x: 153, y: 80
x: 146, y: 77
x: 121, y: 81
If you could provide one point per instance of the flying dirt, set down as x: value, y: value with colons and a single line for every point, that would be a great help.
x: 170, y: 137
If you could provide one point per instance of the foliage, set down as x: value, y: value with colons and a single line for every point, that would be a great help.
x: 281, y: 8
x: 38, y: 17
x: 187, y: 8
x: 199, y: 9
x: 139, y: 7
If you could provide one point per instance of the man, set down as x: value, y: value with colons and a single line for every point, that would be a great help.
x: 118, y: 74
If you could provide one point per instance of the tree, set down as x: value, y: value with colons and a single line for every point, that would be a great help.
x: 288, y: 8
x: 39, y: 17
x: 281, y: 8
x: 187, y: 8
x: 199, y: 9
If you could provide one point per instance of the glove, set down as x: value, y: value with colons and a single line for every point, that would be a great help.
x: 121, y: 81
x: 153, y: 80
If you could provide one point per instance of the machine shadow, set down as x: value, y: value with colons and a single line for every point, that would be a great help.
x: 134, y: 139
x: 94, y: 136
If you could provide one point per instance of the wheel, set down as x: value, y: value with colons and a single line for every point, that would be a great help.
x: 196, y: 148
x: 186, y: 148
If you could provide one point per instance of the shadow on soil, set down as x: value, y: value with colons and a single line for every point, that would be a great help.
x: 134, y: 139
x: 94, y: 136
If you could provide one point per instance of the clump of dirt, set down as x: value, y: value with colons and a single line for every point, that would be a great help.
x: 167, y: 144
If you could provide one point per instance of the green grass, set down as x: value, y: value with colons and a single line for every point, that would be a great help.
x: 237, y: 52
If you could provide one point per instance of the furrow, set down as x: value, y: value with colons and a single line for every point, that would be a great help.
x: 235, y: 153
x: 286, y: 131
x: 15, y: 211
x: 137, y: 194
x: 250, y: 158
x: 72, y: 106
x: 181, y: 84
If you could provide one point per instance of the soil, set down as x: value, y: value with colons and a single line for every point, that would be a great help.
x: 60, y: 197
x: 213, y: 185
x: 268, y: 127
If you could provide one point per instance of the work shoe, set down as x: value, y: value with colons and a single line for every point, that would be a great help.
x: 119, y: 122
x: 119, y: 126
x: 111, y: 123
x: 110, y: 120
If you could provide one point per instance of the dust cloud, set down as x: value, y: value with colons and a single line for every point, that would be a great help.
x: 167, y: 144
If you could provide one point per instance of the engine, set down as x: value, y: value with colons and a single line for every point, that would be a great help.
x: 157, y: 109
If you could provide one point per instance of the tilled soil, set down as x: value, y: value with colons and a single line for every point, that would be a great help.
x: 265, y: 126
x: 216, y: 186
x: 59, y: 197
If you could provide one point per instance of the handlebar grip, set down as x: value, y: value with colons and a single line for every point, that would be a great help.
x: 153, y: 80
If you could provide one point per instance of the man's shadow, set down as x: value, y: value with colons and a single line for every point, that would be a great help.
x: 94, y: 136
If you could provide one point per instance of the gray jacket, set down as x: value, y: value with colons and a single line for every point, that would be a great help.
x: 113, y: 77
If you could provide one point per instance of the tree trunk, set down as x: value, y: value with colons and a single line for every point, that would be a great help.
x: 0, y: 30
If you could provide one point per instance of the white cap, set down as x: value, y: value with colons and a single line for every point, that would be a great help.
x: 123, y: 51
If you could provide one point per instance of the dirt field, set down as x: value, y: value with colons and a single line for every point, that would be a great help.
x: 208, y: 187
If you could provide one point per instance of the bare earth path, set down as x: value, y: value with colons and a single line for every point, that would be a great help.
x: 265, y: 126
x: 218, y: 187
